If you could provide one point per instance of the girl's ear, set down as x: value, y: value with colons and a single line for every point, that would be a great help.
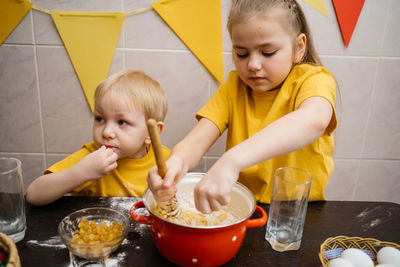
x: 300, y: 47
x: 160, y: 126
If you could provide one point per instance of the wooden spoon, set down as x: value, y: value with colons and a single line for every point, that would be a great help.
x: 167, y: 209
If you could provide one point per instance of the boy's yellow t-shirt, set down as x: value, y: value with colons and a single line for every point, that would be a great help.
x: 127, y: 180
x: 244, y: 112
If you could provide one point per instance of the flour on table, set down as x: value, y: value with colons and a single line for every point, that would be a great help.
x: 372, y: 217
x: 114, y: 261
x: 141, y: 229
x: 121, y: 204
x: 53, y: 242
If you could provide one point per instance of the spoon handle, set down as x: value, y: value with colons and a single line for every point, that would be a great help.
x: 157, y: 146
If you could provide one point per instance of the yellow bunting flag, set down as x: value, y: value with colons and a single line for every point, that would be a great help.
x: 198, y: 24
x: 318, y: 5
x: 11, y: 13
x: 90, y: 39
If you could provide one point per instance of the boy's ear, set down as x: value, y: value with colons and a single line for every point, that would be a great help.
x: 300, y: 47
x: 160, y: 126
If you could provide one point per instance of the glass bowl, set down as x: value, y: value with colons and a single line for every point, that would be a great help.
x: 94, y: 251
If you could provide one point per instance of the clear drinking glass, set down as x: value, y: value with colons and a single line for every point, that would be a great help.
x: 288, y: 208
x: 12, y: 200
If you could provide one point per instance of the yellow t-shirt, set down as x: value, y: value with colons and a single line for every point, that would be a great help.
x: 244, y: 112
x: 127, y: 180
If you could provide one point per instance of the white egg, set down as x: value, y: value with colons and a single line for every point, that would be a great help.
x: 357, y: 257
x: 385, y: 265
x: 389, y: 255
x: 339, y: 262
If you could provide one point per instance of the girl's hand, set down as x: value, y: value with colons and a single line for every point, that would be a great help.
x: 163, y: 188
x: 98, y: 163
x: 213, y: 190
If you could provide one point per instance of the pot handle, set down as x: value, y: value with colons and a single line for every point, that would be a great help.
x: 139, y: 218
x: 252, y: 223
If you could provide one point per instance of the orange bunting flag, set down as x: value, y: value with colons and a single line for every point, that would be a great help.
x: 11, y: 13
x: 347, y: 13
x: 318, y: 5
x: 90, y: 39
x: 198, y: 24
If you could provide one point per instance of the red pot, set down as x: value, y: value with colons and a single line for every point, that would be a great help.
x: 200, y: 245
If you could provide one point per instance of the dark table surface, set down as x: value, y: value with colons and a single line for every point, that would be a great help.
x: 42, y: 245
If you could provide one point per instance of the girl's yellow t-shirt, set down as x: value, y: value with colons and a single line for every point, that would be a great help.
x: 244, y: 112
x: 127, y: 180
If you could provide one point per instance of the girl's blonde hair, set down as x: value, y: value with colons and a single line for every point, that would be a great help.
x: 145, y: 93
x: 295, y: 20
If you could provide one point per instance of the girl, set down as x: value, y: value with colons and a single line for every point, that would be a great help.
x: 278, y: 107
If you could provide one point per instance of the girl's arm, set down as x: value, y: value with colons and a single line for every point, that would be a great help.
x: 184, y: 157
x: 50, y: 187
x: 289, y: 133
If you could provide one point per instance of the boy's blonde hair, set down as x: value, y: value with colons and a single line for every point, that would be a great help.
x: 295, y: 20
x: 145, y: 93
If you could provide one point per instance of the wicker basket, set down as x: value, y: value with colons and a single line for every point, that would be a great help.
x: 344, y: 242
x: 8, y: 245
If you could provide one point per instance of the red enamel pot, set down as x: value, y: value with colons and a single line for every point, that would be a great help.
x: 200, y: 245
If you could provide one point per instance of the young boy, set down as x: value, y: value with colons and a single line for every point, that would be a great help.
x: 116, y: 163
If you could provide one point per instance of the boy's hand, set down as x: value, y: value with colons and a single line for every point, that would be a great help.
x: 98, y: 163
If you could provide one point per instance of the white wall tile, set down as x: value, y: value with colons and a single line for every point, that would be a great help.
x: 391, y: 42
x: 185, y: 93
x: 367, y: 36
x: 383, y: 131
x: 45, y: 30
x: 20, y: 129
x: 325, y: 31
x: 355, y: 78
x: 342, y: 184
x: 67, y: 117
x: 79, y: 5
x: 379, y: 181
x: 148, y: 31
x: 22, y: 33
x: 226, y: 40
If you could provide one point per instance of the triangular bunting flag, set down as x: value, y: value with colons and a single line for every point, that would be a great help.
x: 198, y: 24
x: 318, y: 5
x: 90, y: 39
x: 11, y: 13
x: 347, y: 13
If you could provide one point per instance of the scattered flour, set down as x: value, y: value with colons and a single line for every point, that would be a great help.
x: 372, y: 217
x: 121, y: 204
x: 53, y: 242
x: 141, y: 229
x: 114, y: 261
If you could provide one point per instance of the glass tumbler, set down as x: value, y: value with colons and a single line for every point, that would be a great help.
x: 288, y: 208
x: 12, y: 200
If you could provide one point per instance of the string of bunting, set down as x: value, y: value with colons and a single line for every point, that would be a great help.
x: 134, y: 12
x: 90, y: 38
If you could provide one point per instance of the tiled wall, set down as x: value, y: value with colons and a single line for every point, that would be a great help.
x: 44, y: 115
